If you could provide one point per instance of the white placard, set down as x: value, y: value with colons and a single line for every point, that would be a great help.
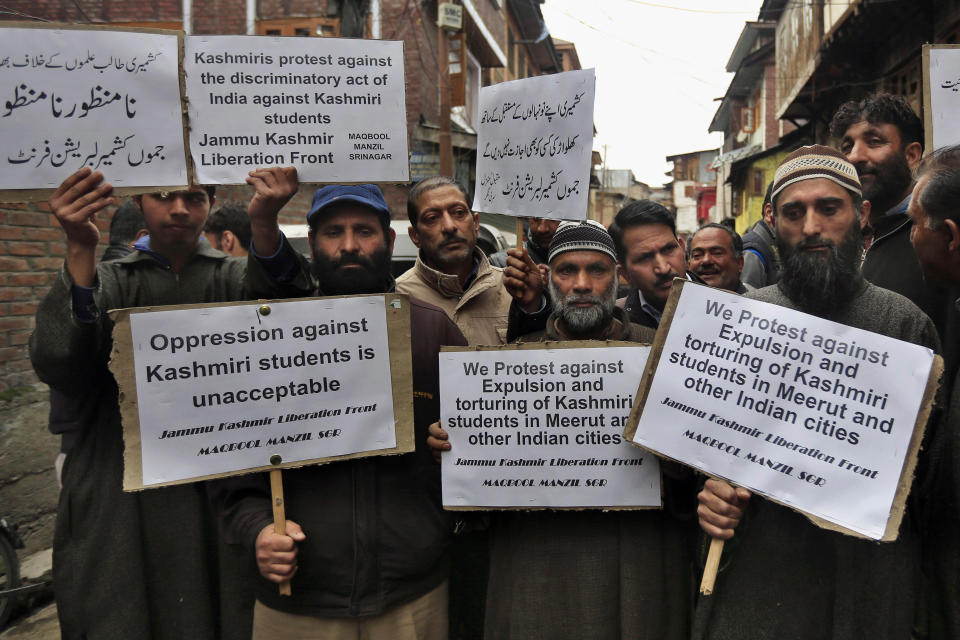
x: 815, y: 414
x: 221, y: 389
x: 534, y: 144
x: 334, y: 108
x: 541, y: 428
x: 108, y: 100
x: 944, y: 96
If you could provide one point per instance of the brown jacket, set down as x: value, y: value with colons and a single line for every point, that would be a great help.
x: 480, y: 312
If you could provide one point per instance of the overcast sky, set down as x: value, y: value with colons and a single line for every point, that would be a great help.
x: 659, y: 66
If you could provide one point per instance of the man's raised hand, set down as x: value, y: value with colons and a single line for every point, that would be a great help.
x: 75, y: 204
x: 524, y: 280
x: 273, y: 188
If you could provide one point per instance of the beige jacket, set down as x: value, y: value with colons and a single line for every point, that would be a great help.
x: 480, y: 312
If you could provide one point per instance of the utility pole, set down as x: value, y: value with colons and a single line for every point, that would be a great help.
x: 603, y: 189
x: 445, y: 140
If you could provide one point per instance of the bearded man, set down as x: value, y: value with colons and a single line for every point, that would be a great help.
x: 587, y: 574
x: 783, y: 577
x: 366, y: 548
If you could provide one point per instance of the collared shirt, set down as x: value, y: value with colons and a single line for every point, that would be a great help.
x: 655, y: 313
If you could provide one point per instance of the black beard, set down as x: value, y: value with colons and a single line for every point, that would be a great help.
x: 892, y: 178
x: 373, y: 275
x: 822, y: 285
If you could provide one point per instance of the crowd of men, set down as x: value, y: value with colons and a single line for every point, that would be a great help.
x: 368, y: 548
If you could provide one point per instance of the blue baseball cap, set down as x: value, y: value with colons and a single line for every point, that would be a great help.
x: 369, y: 195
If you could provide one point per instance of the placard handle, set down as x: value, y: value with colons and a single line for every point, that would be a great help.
x: 713, y: 564
x: 279, y: 516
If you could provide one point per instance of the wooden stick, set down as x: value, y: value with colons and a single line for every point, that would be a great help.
x: 519, y: 233
x: 713, y: 564
x: 279, y: 516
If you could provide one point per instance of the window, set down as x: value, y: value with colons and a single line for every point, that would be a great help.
x: 300, y: 27
x: 759, y: 185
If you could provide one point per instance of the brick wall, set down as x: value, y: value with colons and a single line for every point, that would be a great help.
x: 31, y: 243
x: 31, y: 252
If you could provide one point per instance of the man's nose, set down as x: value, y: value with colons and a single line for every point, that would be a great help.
x: 857, y: 153
x: 447, y: 224
x: 178, y: 204
x: 350, y: 243
x: 581, y: 282
x: 811, y: 224
x: 660, y: 264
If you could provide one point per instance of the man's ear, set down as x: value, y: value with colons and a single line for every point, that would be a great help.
x: 391, y: 239
x: 954, y: 234
x: 228, y: 241
x: 140, y: 233
x: 682, y: 243
x: 476, y: 222
x: 913, y: 153
x: 864, y: 213
x: 138, y: 200
x: 768, y: 214
x: 414, y: 236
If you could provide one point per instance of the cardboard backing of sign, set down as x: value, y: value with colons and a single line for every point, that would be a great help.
x: 122, y: 367
x: 910, y: 460
x: 545, y: 346
x: 37, y: 195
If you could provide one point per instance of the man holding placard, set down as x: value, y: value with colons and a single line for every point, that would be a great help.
x: 144, y: 565
x: 451, y: 272
x: 367, y: 540
x: 588, y: 573
x: 784, y: 576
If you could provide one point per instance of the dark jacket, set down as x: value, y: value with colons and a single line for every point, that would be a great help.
x: 631, y: 304
x: 783, y: 577
x: 377, y: 535
x: 761, y: 264
x: 891, y: 263
x: 150, y: 564
x: 594, y: 574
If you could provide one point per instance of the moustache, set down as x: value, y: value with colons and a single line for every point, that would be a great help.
x: 574, y: 299
x: 664, y: 279
x: 816, y: 241
x: 349, y: 259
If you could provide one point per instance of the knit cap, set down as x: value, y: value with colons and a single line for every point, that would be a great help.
x: 588, y: 235
x: 816, y: 161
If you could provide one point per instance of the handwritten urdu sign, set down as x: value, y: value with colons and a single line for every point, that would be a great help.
x: 537, y: 427
x: 534, y: 144
x: 213, y: 390
x: 98, y: 98
x: 941, y: 80
x: 822, y: 417
x: 332, y: 107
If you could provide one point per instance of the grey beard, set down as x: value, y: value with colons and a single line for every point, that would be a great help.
x: 584, y: 321
x: 822, y: 285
